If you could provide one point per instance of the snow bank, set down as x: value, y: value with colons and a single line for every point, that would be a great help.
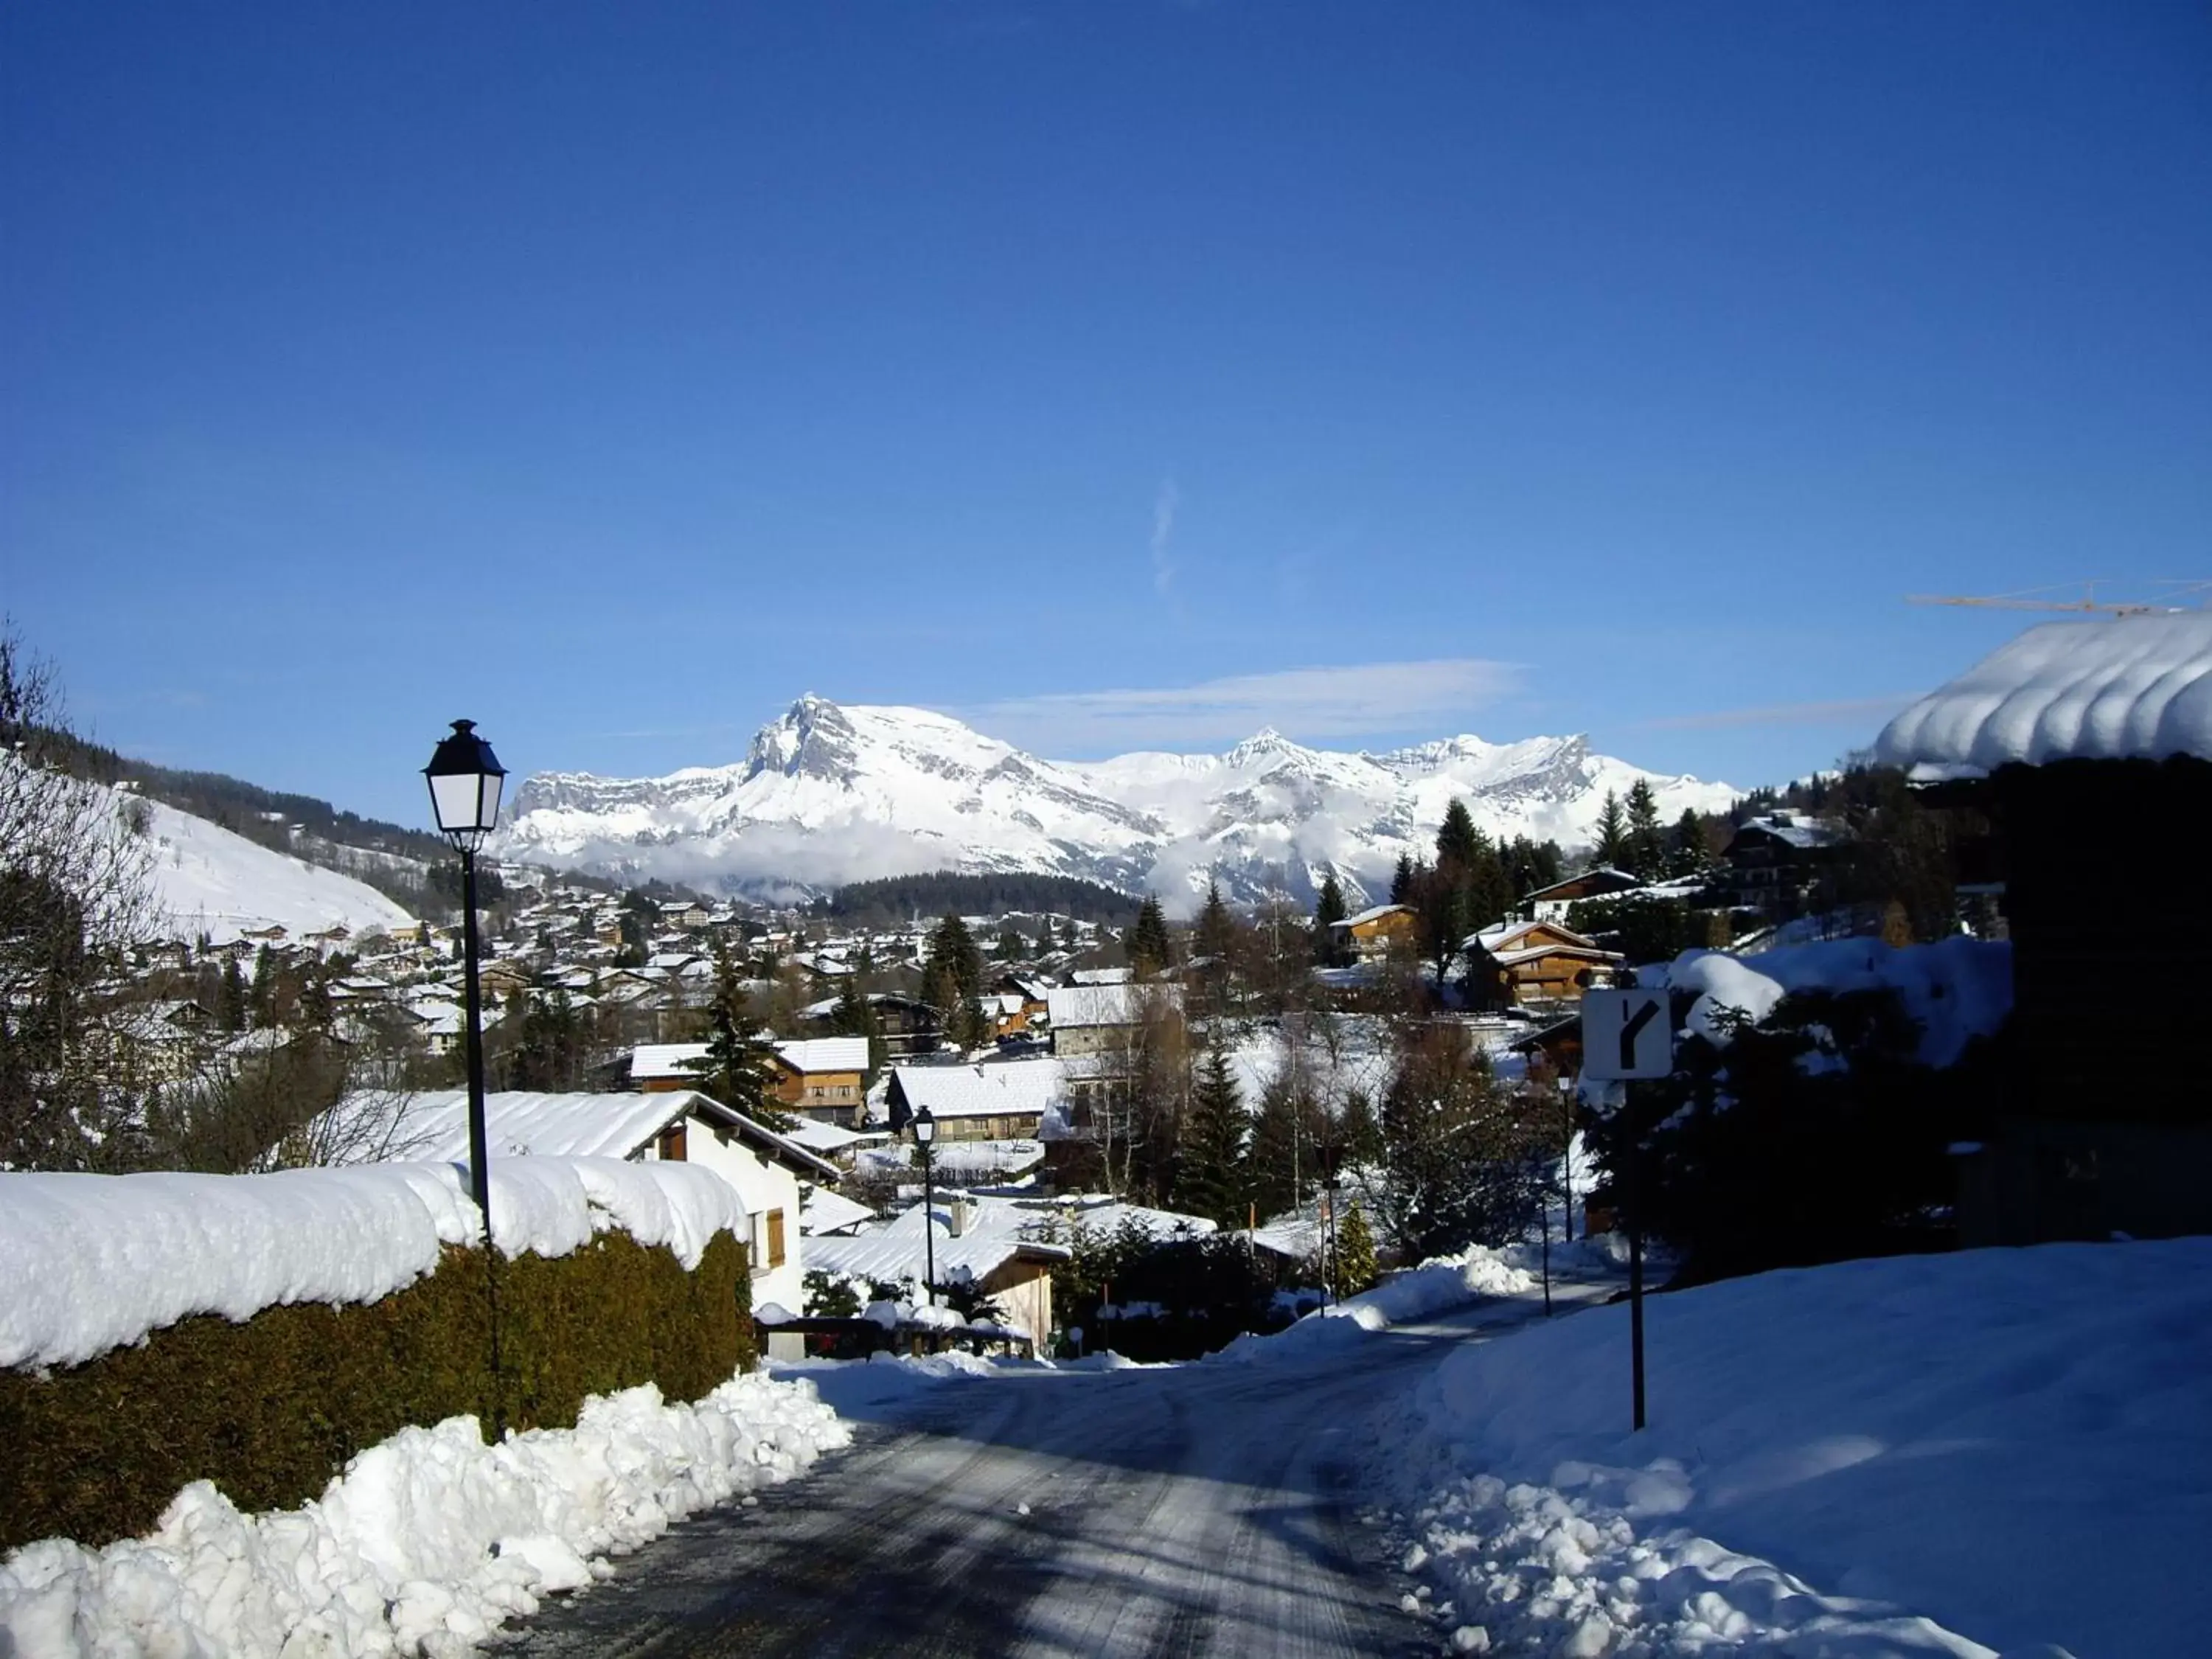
x: 92, y: 1263
x: 2139, y: 687
x: 1440, y: 1283
x: 424, y: 1544
x: 1957, y: 989
x: 2010, y: 1443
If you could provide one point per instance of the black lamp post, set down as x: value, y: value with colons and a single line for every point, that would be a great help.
x: 465, y: 778
x: 925, y: 1131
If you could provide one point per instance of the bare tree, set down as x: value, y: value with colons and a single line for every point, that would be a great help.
x: 76, y: 895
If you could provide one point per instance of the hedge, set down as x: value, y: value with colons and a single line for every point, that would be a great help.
x: 270, y: 1409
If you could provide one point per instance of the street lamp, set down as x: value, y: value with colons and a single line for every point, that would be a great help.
x: 925, y: 1131
x: 465, y: 778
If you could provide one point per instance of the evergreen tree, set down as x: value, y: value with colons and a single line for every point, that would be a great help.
x: 1612, y: 848
x: 1209, y: 1152
x: 1356, y: 1267
x: 1328, y: 949
x: 1358, y: 1133
x: 1686, y: 845
x: 737, y: 1065
x: 1147, y: 946
x: 1458, y: 843
x: 952, y: 982
x: 261, y: 995
x: 855, y: 1016
x: 1402, y: 880
x: 1009, y: 945
x: 230, y: 997
x: 1284, y: 1158
x: 1216, y: 928
x: 1647, y: 841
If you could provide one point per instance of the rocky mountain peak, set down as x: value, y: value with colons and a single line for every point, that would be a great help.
x: 814, y: 738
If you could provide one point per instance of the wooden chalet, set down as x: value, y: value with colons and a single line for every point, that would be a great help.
x: 1376, y: 933
x: 1544, y: 961
x: 1550, y: 904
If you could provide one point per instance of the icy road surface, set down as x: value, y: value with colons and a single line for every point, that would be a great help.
x: 1202, y: 1509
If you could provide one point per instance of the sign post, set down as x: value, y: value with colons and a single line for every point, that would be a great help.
x: 1626, y: 1036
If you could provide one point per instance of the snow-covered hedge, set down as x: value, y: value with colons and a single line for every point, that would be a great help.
x: 90, y: 1262
x: 259, y: 1331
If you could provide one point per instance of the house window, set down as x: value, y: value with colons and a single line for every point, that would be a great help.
x: 671, y: 1144
x: 774, y: 1229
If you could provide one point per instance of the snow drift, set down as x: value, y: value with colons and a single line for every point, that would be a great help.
x: 2007, y: 1444
x: 424, y: 1544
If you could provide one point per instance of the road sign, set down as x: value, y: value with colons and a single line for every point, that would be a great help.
x: 1626, y: 1034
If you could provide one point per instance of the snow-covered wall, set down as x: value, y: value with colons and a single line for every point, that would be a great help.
x: 91, y: 1262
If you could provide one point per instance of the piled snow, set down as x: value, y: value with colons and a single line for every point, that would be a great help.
x: 208, y: 880
x: 90, y: 1262
x: 2010, y: 1443
x: 1440, y: 1283
x: 1956, y: 989
x: 424, y: 1544
x: 2139, y: 687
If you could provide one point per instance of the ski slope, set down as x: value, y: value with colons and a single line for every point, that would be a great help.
x: 209, y: 881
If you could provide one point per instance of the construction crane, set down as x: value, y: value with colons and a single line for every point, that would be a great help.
x: 2026, y: 600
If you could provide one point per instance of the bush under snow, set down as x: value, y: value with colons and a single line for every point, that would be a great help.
x: 91, y: 1262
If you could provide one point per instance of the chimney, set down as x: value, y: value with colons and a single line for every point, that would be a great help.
x: 959, y: 1216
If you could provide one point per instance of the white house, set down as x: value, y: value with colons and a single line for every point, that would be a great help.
x: 678, y: 1124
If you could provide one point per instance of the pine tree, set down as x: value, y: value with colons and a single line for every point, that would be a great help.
x: 1216, y: 928
x: 1402, y: 880
x: 737, y: 1065
x: 1147, y: 946
x: 1358, y: 1133
x: 1329, y: 910
x: 1458, y: 843
x: 952, y: 982
x: 1686, y: 845
x: 1612, y: 848
x: 1284, y: 1157
x: 261, y: 995
x: 1209, y: 1152
x: 1647, y: 841
x: 230, y: 997
x: 1356, y: 1267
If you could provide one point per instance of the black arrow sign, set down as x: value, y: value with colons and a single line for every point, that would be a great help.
x: 1629, y: 1027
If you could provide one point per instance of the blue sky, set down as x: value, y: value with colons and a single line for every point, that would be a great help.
x: 1115, y: 375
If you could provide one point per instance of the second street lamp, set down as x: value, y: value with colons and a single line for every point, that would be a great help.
x: 925, y: 1131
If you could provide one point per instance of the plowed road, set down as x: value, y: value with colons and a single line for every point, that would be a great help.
x: 1205, y: 1509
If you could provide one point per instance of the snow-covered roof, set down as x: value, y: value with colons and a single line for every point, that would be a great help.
x: 1795, y: 829
x: 1106, y: 1005
x: 1375, y: 914
x: 1602, y: 873
x: 666, y: 1059
x: 1100, y: 977
x: 2136, y: 688
x: 822, y: 1212
x: 813, y: 1055
x: 996, y: 1089
x: 826, y: 1138
x: 433, y: 1126
x: 997, y: 1232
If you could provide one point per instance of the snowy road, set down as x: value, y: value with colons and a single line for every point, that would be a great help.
x: 1205, y: 1509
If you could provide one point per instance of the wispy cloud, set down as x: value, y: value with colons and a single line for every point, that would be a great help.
x: 1165, y: 500
x: 1313, y: 704
x: 1781, y: 713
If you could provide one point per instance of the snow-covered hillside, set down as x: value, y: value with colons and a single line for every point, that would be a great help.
x: 208, y: 880
x: 832, y: 793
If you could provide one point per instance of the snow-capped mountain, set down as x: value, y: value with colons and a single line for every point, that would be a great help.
x: 832, y: 793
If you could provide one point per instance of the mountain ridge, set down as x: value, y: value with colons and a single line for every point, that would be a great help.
x: 830, y: 792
